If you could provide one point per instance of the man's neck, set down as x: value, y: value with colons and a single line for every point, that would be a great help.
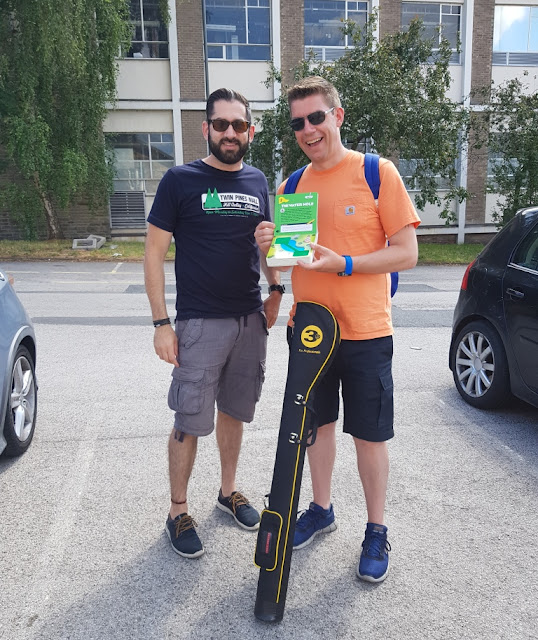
x: 329, y: 163
x: 217, y: 164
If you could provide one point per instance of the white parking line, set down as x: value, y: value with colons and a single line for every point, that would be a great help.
x: 115, y: 270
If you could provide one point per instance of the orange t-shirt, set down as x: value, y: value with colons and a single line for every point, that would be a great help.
x: 350, y: 223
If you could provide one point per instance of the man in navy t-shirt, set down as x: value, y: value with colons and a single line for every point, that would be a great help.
x: 211, y: 207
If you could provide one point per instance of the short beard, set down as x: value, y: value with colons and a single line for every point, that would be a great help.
x: 229, y: 156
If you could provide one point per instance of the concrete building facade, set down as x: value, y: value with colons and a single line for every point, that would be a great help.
x: 168, y: 73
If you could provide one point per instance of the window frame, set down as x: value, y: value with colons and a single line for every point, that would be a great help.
x: 226, y: 47
x: 139, y: 165
x: 456, y: 55
x: 144, y: 45
x: 519, y: 56
x: 336, y: 50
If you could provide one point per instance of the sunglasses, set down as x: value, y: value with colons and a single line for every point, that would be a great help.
x: 297, y: 124
x: 221, y: 125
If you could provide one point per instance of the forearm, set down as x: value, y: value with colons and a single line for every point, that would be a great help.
x: 157, y: 244
x: 401, y: 254
x: 154, y: 281
x: 272, y: 275
x: 385, y: 260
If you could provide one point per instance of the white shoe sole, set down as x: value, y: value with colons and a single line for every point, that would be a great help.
x: 243, y: 526
x: 197, y: 554
x: 327, y: 529
x: 367, y: 578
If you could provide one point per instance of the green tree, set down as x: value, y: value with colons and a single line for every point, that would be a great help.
x: 394, y: 92
x: 58, y: 68
x: 512, y: 139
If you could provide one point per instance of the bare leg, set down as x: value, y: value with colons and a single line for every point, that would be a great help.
x: 373, y: 463
x: 181, y: 457
x: 321, y: 456
x: 229, y: 437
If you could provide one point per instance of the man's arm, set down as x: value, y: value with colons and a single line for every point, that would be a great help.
x: 157, y: 245
x: 271, y: 305
x: 402, y: 254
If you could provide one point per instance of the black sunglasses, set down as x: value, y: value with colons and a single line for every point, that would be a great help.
x: 221, y: 125
x: 297, y: 124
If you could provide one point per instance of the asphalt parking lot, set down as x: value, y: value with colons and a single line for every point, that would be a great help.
x: 83, y: 553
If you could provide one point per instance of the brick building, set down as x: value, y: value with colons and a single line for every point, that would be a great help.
x: 167, y: 74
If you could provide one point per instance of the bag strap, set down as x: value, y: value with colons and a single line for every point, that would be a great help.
x: 293, y: 180
x: 371, y: 173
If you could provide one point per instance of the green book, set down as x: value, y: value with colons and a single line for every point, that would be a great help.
x: 296, y: 226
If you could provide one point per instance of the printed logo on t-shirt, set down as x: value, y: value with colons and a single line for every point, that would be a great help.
x: 230, y: 204
x: 350, y: 211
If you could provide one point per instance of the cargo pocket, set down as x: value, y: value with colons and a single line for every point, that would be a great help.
x: 264, y: 322
x: 191, y: 332
x: 386, y: 409
x: 186, y: 392
x: 260, y: 379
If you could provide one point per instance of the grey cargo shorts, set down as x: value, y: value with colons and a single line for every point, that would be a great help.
x: 221, y: 360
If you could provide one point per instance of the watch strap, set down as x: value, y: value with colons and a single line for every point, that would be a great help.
x: 161, y: 322
x: 276, y: 287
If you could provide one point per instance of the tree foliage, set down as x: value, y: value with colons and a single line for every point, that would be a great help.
x: 58, y: 68
x: 394, y: 92
x: 512, y: 138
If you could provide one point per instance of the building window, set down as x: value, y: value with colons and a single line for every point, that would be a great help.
x: 515, y: 36
x: 150, y: 35
x: 238, y: 29
x: 141, y: 160
x: 408, y: 169
x: 323, y: 22
x: 447, y: 17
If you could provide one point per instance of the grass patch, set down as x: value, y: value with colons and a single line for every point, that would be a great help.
x: 432, y: 253
x: 20, y: 250
x: 23, y: 251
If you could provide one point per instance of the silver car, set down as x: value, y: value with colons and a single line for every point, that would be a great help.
x: 18, y: 384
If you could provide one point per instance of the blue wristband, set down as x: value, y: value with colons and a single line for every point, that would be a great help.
x: 349, y: 265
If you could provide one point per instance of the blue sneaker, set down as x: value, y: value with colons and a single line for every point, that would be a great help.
x: 374, y: 562
x: 312, y: 521
x: 183, y: 536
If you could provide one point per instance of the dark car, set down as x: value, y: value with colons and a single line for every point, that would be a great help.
x: 494, y: 346
x: 18, y: 385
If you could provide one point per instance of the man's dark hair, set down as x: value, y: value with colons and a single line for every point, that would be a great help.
x: 229, y: 95
x: 311, y: 86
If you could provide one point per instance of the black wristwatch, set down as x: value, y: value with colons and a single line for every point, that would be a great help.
x: 276, y: 287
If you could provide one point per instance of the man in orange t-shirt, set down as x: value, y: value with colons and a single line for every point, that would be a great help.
x: 353, y: 230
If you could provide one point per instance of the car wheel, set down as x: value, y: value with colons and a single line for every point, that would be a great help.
x: 21, y: 404
x: 480, y: 367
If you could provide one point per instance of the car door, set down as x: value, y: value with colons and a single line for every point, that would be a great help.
x: 520, y: 293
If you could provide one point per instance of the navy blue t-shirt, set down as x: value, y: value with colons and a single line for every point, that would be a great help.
x: 213, y: 214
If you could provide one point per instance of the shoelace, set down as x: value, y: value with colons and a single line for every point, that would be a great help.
x: 184, y: 523
x: 375, y: 545
x: 306, y: 521
x: 237, y: 499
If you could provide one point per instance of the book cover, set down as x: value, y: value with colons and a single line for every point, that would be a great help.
x: 296, y: 216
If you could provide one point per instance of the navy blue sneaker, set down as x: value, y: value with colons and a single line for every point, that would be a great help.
x: 374, y: 562
x: 312, y: 521
x: 183, y: 536
x: 240, y: 508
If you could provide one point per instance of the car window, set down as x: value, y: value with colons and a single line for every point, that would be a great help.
x: 527, y: 252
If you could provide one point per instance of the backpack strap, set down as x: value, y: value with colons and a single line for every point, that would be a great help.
x: 293, y: 180
x: 371, y: 173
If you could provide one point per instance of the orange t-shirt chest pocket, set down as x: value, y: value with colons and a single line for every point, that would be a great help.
x: 355, y: 210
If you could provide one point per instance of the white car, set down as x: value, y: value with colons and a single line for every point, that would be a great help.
x: 18, y: 384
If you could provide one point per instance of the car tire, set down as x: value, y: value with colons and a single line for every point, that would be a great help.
x: 21, y: 409
x: 479, y: 366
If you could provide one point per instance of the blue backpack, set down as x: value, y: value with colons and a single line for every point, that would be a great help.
x: 371, y: 173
